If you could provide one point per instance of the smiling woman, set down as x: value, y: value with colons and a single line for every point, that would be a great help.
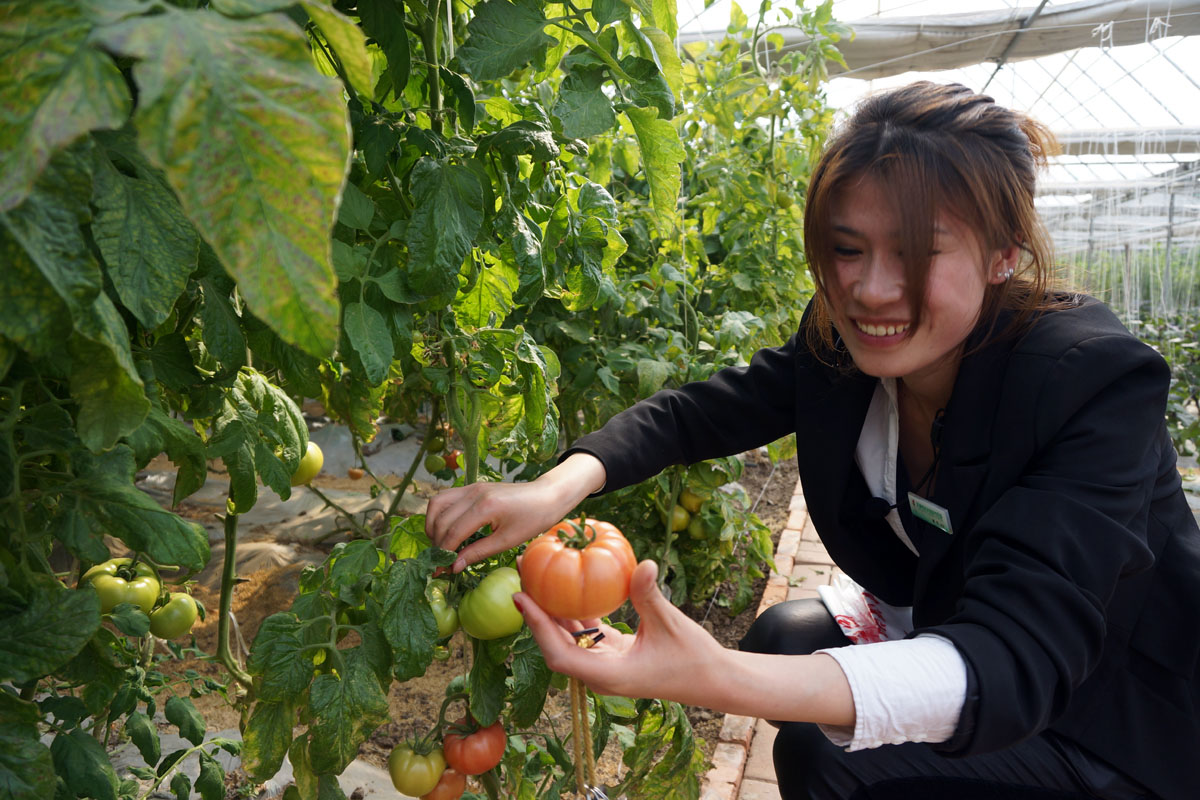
x: 1034, y: 546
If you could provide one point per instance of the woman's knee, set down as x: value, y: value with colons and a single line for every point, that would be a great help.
x: 795, y: 627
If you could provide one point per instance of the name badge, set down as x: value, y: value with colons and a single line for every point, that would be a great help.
x: 930, y: 512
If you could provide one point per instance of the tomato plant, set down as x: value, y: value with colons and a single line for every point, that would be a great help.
x: 416, y: 773
x: 175, y: 617
x: 488, y: 611
x: 473, y: 752
x: 578, y: 569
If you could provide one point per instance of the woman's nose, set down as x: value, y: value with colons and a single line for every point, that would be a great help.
x: 881, y: 281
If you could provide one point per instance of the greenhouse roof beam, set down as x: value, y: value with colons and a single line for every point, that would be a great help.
x: 893, y: 45
x: 1130, y: 141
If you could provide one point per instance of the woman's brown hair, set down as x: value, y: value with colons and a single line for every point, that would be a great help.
x: 934, y: 148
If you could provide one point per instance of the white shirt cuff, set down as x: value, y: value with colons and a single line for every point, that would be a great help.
x: 910, y: 690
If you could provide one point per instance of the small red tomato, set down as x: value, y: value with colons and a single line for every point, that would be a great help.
x: 450, y: 787
x: 452, y: 459
x: 578, y: 576
x: 474, y: 753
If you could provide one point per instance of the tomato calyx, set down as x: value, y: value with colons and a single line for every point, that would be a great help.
x: 581, y: 534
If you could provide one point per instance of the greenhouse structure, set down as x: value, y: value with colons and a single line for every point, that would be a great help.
x: 1117, y: 81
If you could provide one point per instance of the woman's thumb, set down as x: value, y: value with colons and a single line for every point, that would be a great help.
x: 643, y: 590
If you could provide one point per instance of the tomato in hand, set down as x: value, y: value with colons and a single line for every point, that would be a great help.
x: 488, y: 611
x: 584, y: 581
x: 118, y: 581
x: 310, y: 465
x: 446, y: 616
x: 474, y: 753
x: 450, y: 787
x: 415, y: 774
x: 175, y: 618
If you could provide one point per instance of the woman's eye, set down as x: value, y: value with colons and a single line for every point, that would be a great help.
x: 846, y: 252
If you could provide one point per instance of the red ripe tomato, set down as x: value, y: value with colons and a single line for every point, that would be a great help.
x: 450, y: 787
x: 587, y: 580
x: 474, y: 753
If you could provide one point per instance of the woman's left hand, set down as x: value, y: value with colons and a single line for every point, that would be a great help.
x: 645, y: 664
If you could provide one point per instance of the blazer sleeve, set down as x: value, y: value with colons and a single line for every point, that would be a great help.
x: 1043, y: 561
x: 737, y: 409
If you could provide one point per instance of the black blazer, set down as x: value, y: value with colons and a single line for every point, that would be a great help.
x: 1071, y: 583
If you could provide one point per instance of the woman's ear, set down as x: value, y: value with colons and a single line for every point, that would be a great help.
x: 1003, y: 264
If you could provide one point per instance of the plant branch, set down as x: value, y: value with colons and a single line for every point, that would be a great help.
x: 228, y: 579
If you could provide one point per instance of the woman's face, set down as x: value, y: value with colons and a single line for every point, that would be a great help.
x: 868, y: 296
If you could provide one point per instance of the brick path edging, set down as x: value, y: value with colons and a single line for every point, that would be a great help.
x: 800, y: 563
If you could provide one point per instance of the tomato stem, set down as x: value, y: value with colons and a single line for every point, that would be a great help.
x: 228, y: 579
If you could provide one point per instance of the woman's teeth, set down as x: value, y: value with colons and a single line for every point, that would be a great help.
x: 881, y: 330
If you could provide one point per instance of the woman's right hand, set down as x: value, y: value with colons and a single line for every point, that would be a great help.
x: 516, y: 511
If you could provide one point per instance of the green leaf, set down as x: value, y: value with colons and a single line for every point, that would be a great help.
x: 220, y: 328
x: 26, y: 767
x: 356, y: 210
x: 144, y: 736
x: 276, y: 657
x: 652, y: 374
x: 608, y: 11
x: 81, y: 762
x: 211, y: 780
x: 668, y: 57
x: 524, y: 138
x: 105, y: 498
x: 448, y: 215
x: 408, y: 621
x: 148, y: 244
x: 183, y: 714
x: 649, y: 86
x: 502, y: 37
x: 104, y: 380
x: 490, y: 299
x: 486, y: 680
x: 48, y: 632
x: 383, y: 21
x: 462, y: 97
x: 255, y: 143
x: 348, y: 42
x: 267, y: 737
x: 531, y: 680
x: 50, y: 276
x: 346, y: 709
x: 662, y: 153
x: 259, y: 430
x: 54, y: 87
x: 583, y: 107
x: 521, y: 245
x: 130, y: 620
x: 162, y: 433
x: 371, y: 338
x: 181, y: 785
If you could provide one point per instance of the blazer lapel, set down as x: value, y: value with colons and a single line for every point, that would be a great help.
x: 865, y: 548
x: 969, y: 426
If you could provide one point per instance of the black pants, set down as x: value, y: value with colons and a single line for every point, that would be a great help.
x: 810, y: 767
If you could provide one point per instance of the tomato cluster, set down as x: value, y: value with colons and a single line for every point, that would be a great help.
x: 439, y: 457
x: 440, y: 773
x: 124, y: 580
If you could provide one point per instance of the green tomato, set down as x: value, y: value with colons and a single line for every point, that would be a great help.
x: 488, y: 611
x: 679, y: 518
x: 117, y: 582
x: 414, y: 774
x: 691, y: 500
x: 434, y: 463
x: 175, y: 618
x: 310, y: 465
x: 447, y: 617
x: 435, y: 444
x: 696, y: 529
